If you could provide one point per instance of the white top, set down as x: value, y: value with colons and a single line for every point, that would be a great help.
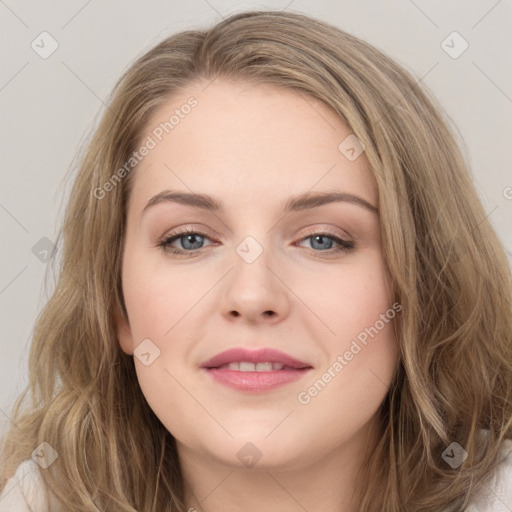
x: 24, y: 491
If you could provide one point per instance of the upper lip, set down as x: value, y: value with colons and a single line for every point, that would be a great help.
x: 262, y: 355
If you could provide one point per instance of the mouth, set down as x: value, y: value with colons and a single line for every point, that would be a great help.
x: 246, y: 366
x: 255, y: 370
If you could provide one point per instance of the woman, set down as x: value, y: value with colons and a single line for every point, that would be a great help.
x: 259, y: 369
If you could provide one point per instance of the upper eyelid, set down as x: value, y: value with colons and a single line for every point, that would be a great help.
x: 311, y: 232
x: 344, y: 244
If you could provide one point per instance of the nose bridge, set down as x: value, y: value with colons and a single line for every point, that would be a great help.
x: 253, y: 231
x: 255, y: 264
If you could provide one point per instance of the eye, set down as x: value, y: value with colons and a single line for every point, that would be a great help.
x: 191, y: 242
x: 323, y: 241
x: 189, y: 238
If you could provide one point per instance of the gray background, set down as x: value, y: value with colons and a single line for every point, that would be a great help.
x: 49, y: 105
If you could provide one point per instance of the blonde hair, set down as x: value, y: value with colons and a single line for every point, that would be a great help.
x: 449, y: 272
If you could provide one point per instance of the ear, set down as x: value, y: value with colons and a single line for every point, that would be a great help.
x: 124, y: 334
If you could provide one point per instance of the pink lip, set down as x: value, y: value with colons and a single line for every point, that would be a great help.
x: 255, y: 381
x: 262, y: 355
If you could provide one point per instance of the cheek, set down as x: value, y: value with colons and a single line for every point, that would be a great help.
x: 355, y: 379
x: 163, y: 306
x: 356, y: 308
x: 348, y: 298
x: 157, y: 296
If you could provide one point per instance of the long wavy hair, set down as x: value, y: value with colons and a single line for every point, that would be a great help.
x: 448, y: 269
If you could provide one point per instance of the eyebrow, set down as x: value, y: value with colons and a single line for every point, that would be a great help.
x: 294, y: 204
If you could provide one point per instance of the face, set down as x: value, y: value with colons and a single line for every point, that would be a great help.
x: 309, y: 281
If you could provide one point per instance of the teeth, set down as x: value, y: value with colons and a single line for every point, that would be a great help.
x: 264, y: 367
x: 247, y: 367
x: 244, y: 366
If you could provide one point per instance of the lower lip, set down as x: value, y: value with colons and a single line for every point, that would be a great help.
x: 255, y: 381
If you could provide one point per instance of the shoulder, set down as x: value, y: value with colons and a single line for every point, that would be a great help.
x: 24, y: 491
x: 497, y: 492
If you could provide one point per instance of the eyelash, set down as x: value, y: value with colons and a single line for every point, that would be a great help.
x: 165, y: 244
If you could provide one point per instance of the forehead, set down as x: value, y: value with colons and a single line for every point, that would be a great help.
x: 247, y: 142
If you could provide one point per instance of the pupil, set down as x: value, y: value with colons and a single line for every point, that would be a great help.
x: 191, y: 239
x: 320, y: 239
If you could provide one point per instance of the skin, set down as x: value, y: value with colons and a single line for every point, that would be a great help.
x: 252, y: 147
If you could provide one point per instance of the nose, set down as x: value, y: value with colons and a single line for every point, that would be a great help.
x: 256, y: 291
